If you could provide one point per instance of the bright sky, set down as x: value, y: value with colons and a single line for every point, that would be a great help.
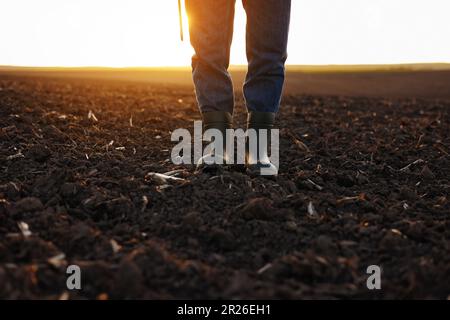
x: 145, y: 32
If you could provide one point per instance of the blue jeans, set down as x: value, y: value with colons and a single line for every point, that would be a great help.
x: 211, y: 32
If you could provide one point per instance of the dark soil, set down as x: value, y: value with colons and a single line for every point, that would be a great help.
x: 362, y: 181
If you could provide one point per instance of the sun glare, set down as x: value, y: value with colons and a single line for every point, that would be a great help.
x: 121, y: 33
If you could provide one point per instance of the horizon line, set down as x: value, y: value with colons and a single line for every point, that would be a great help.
x: 231, y: 65
x: 414, y: 66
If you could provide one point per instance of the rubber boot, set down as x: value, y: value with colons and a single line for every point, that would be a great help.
x: 258, y: 158
x: 221, y: 121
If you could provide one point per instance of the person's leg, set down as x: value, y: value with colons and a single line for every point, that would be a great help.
x: 211, y: 32
x: 267, y: 36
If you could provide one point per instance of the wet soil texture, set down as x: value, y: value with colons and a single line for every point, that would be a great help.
x: 363, y: 181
